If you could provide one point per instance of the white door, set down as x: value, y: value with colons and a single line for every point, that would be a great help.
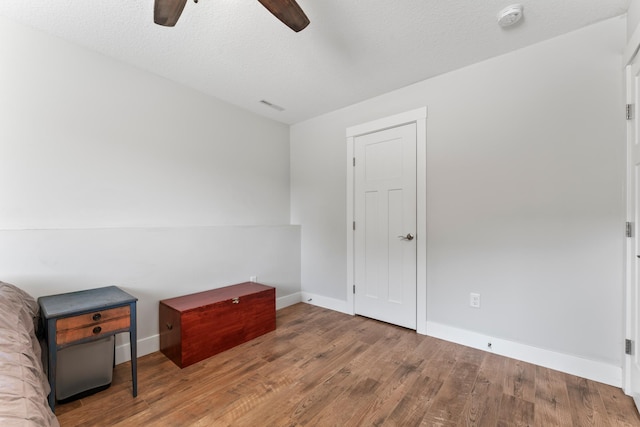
x: 633, y: 247
x: 385, y: 225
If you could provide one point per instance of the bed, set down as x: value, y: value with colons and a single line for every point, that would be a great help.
x: 23, y: 383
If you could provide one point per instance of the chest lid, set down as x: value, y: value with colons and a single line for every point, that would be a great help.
x: 200, y: 299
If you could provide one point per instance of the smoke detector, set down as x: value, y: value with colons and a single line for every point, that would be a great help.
x: 510, y: 15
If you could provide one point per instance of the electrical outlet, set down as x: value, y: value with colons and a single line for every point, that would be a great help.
x: 253, y: 278
x: 474, y: 300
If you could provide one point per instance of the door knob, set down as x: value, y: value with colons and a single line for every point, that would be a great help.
x: 409, y: 236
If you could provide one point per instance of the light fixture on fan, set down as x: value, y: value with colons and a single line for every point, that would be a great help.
x: 510, y: 15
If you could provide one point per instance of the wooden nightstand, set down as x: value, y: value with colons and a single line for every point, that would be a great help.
x: 83, y: 316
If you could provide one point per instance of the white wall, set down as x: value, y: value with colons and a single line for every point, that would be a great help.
x: 111, y: 175
x: 92, y: 142
x: 525, y: 195
x: 633, y: 17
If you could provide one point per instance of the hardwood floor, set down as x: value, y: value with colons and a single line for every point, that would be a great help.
x: 322, y: 368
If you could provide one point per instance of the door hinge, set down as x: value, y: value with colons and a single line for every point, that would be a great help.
x: 354, y: 289
x: 354, y: 225
x: 628, y: 347
x: 354, y: 161
x: 629, y: 112
x: 628, y: 229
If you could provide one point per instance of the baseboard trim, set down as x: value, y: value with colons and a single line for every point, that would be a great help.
x: 146, y: 346
x: 326, y: 302
x: 570, y: 364
x: 288, y: 300
x: 574, y: 365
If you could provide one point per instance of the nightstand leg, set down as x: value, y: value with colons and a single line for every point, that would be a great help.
x: 134, y: 349
x: 51, y: 361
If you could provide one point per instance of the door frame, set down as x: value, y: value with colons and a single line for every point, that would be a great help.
x: 628, y: 261
x: 629, y: 55
x: 419, y: 117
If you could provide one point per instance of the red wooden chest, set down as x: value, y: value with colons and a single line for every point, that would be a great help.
x: 197, y: 326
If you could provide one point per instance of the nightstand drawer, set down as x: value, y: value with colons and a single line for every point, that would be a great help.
x: 70, y: 329
x: 93, y: 318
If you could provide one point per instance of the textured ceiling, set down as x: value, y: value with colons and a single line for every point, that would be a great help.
x: 353, y: 50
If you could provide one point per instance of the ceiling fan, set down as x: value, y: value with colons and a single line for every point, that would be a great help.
x: 167, y: 12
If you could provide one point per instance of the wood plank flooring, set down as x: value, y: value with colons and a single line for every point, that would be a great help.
x: 322, y: 368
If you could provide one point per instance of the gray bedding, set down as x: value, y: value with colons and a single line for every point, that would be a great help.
x: 23, y: 384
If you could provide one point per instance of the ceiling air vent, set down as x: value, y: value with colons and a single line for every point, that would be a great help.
x: 274, y: 106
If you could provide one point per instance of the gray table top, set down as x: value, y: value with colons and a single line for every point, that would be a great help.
x: 60, y: 305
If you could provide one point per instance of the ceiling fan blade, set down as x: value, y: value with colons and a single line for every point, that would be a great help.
x: 167, y: 12
x: 288, y: 11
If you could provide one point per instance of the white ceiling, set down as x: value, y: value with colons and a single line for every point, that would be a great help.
x: 237, y: 51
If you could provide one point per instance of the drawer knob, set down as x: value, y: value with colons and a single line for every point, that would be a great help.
x: 235, y: 300
x: 97, y: 330
x: 169, y: 326
x: 97, y: 316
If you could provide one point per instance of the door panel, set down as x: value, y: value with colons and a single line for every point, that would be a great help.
x: 372, y: 246
x: 385, y: 211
